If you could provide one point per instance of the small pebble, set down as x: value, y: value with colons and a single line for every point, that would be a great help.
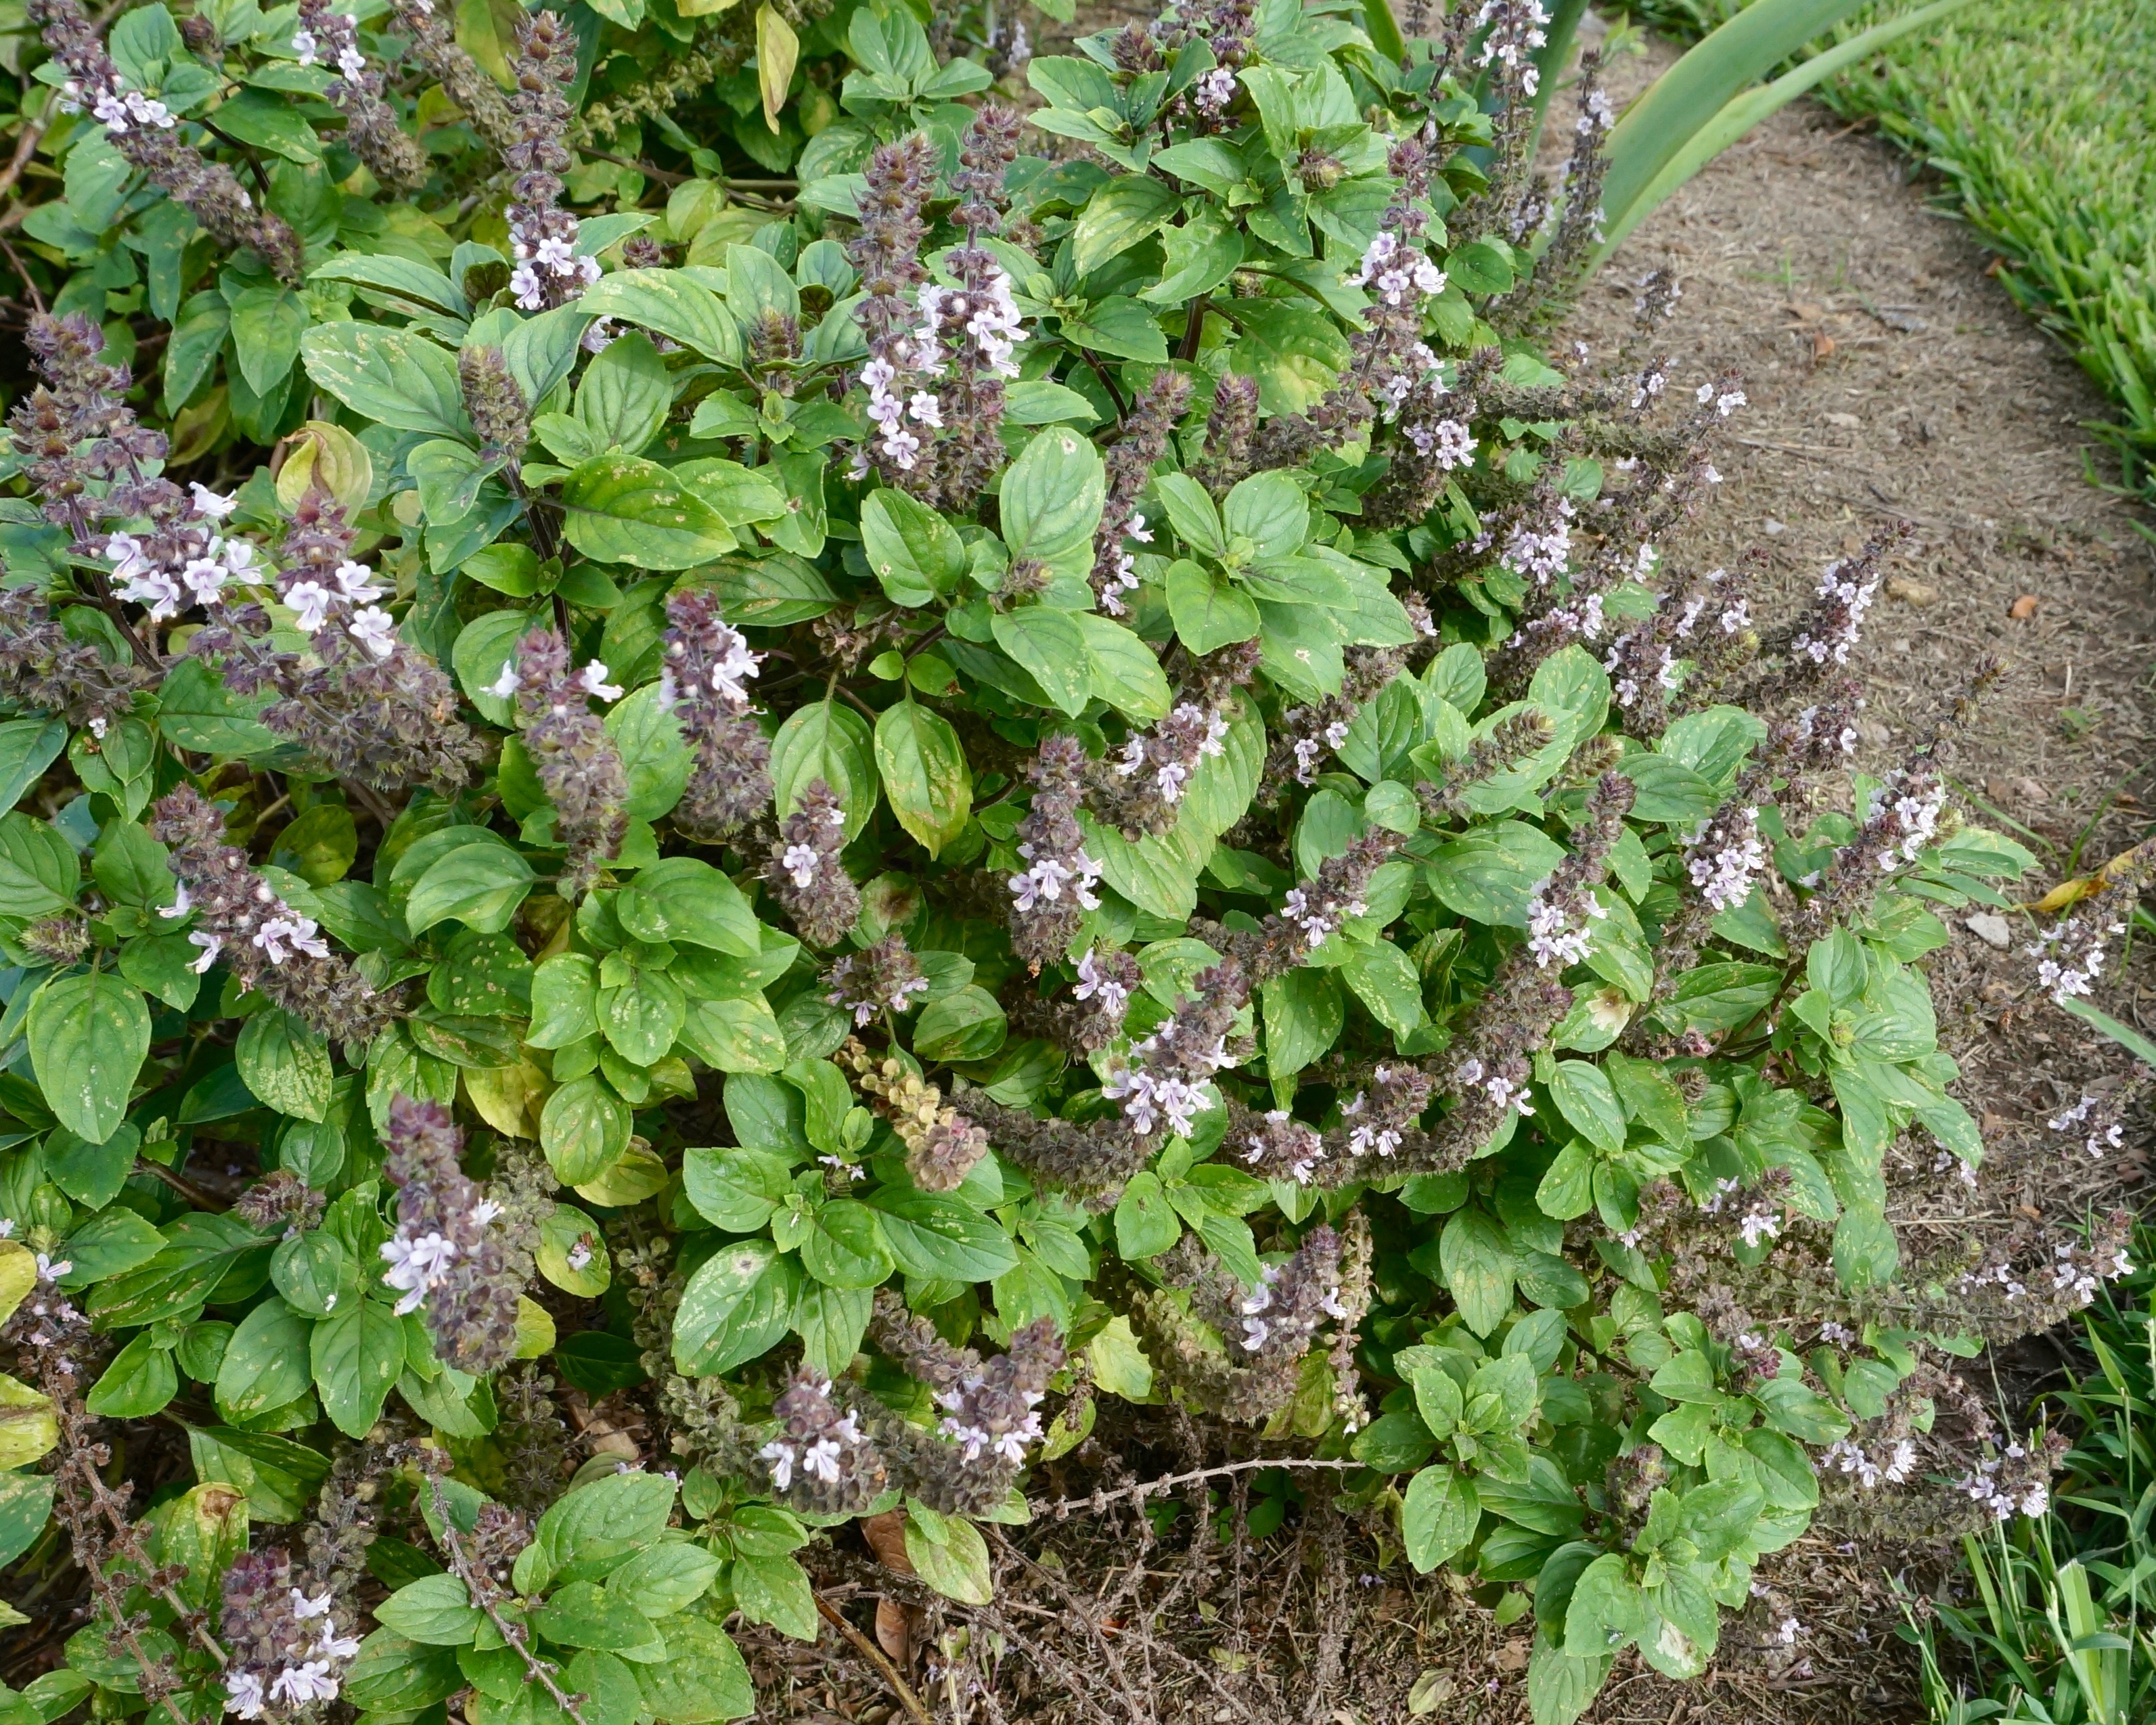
x: 1991, y: 929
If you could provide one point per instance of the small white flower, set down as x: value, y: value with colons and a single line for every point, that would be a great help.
x: 1093, y: 981
x: 211, y: 947
x: 415, y: 1265
x: 359, y: 583
x: 800, y: 862
x: 243, y: 1695
x: 210, y: 504
x: 506, y: 685
x: 299, y: 1684
x: 593, y: 677
x: 375, y: 629
x: 337, y: 1647
x: 310, y: 600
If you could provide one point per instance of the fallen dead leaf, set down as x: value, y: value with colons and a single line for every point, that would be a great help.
x: 886, y: 1536
x: 893, y: 1630
x: 2023, y: 608
x: 1823, y: 344
x: 1512, y: 1656
x: 1847, y: 422
x: 1912, y: 592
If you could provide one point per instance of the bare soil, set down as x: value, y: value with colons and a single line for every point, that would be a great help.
x: 1889, y: 379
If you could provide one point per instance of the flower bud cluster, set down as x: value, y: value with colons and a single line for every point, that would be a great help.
x: 898, y: 179
x: 882, y: 977
x: 1107, y: 976
x: 1154, y: 413
x: 499, y: 411
x: 543, y: 235
x: 1508, y: 743
x: 1846, y: 592
x: 1050, y: 896
x: 575, y: 758
x: 2070, y: 956
x: 363, y: 701
x: 1164, y: 1077
x: 990, y: 1411
x: 817, y: 1458
x: 44, y: 667
x: 145, y: 131
x: 1277, y: 1145
x: 1518, y: 29
x: 1313, y: 910
x: 447, y: 1258
x: 1091, y: 1162
x: 266, y: 944
x: 1308, y: 734
x: 371, y: 132
x: 1522, y: 1005
x: 1230, y: 424
x: 2097, y: 1121
x: 432, y: 27
x: 941, y: 1144
x: 1376, y: 1117
x: 288, y: 1650
x: 965, y: 345
x: 2017, y: 1481
x: 805, y: 874
x: 1265, y: 1330
x: 706, y: 669
x: 1437, y: 439
x: 1140, y: 789
x: 279, y: 1200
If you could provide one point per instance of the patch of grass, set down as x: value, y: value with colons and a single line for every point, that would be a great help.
x: 2042, y: 117
x: 2063, y: 1628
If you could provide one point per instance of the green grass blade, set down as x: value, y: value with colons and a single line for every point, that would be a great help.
x: 1739, y: 116
x: 1690, y: 95
x: 2125, y: 1035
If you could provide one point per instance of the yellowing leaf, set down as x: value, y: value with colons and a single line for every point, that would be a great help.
x: 508, y: 1098
x: 776, y: 49
x: 535, y: 1329
x: 330, y: 456
x: 19, y: 1274
x: 28, y: 1429
x: 636, y: 1175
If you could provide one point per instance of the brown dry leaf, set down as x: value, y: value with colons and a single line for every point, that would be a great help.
x: 1512, y: 1656
x: 1912, y: 592
x: 893, y: 1630
x: 2023, y: 608
x: 886, y: 1536
x: 1823, y: 344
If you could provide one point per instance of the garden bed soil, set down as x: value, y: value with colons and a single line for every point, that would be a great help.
x: 1888, y: 380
